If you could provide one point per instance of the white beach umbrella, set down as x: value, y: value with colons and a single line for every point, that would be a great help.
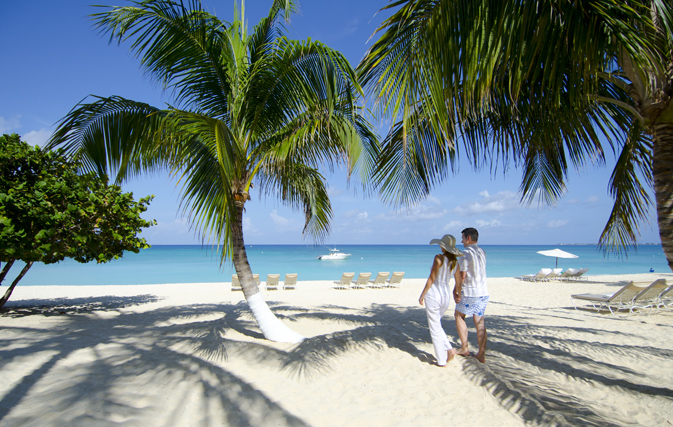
x: 558, y: 253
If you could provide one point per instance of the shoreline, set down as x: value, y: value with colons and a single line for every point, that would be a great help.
x: 179, y: 354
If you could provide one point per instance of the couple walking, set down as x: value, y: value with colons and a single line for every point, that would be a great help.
x: 470, y: 293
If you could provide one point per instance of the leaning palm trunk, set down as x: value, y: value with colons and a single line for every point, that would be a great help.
x: 662, y: 172
x: 272, y: 328
x: 9, y: 291
x: 250, y: 110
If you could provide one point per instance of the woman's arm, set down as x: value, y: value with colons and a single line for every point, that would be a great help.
x: 439, y: 259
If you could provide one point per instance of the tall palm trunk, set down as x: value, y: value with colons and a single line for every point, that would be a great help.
x: 272, y: 328
x: 662, y: 172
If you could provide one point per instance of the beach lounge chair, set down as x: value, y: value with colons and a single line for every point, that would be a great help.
x: 345, y: 282
x: 621, y: 299
x: 290, y: 281
x: 649, y: 297
x: 395, y: 280
x: 555, y: 274
x: 272, y: 282
x: 579, y: 274
x: 569, y: 274
x: 256, y: 277
x: 362, y: 280
x: 235, y: 284
x: 665, y: 298
x: 380, y: 280
x: 538, y: 277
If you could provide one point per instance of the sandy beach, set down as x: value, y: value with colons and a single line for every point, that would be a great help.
x: 191, y: 355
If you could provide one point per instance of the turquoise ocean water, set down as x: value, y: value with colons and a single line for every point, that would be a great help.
x: 190, y: 264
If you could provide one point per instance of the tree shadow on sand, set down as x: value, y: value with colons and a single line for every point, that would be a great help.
x: 184, y: 352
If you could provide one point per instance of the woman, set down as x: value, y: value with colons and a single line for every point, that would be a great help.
x: 437, y: 295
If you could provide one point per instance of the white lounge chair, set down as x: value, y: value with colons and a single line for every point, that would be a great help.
x: 665, y: 298
x: 235, y: 284
x: 621, y: 299
x: 362, y: 280
x: 555, y: 274
x: 380, y: 280
x: 272, y: 282
x: 538, y: 277
x: 569, y: 274
x: 579, y: 275
x: 649, y: 297
x: 256, y: 277
x: 345, y: 282
x: 290, y: 281
x: 395, y: 280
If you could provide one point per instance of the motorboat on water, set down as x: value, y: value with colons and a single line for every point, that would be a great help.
x: 333, y: 254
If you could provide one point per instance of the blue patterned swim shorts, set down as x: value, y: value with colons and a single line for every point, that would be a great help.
x: 471, y: 306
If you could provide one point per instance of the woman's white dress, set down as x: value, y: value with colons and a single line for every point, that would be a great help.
x: 437, y: 301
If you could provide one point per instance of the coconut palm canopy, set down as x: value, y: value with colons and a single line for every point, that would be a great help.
x: 544, y: 85
x: 249, y: 110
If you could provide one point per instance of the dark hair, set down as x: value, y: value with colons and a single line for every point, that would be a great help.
x: 449, y: 255
x: 472, y: 233
x: 453, y: 260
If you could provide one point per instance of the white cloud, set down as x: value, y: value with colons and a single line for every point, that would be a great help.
x: 7, y: 125
x: 278, y: 220
x: 501, y: 202
x: 357, y: 214
x: 283, y: 224
x: 249, y: 227
x: 453, y: 227
x: 484, y: 224
x: 420, y: 212
x: 333, y: 192
x: 557, y: 223
x: 37, y: 137
x: 592, y: 199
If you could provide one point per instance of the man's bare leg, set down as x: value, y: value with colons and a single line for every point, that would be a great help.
x: 481, y: 337
x: 461, y: 327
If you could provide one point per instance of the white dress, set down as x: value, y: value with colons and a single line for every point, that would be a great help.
x: 437, y: 301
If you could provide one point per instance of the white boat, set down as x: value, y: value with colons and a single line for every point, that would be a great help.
x: 334, y: 254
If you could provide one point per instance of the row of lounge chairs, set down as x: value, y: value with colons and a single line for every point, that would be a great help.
x: 362, y: 282
x: 547, y: 274
x: 272, y: 282
x: 631, y: 296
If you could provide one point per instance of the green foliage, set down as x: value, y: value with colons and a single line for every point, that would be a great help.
x: 248, y: 109
x: 542, y: 85
x: 49, y: 212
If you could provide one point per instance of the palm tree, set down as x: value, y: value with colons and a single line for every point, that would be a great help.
x: 250, y: 109
x: 541, y: 84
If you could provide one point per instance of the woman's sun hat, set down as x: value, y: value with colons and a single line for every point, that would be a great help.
x: 448, y: 243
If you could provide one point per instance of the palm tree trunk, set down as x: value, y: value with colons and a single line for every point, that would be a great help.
x: 8, y: 294
x: 272, y: 328
x: 662, y: 172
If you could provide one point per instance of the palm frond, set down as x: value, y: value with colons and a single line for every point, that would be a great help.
x: 113, y: 136
x: 184, y: 48
x: 631, y: 196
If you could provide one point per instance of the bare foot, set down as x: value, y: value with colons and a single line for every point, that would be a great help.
x: 451, y: 354
x: 463, y: 352
x: 480, y: 357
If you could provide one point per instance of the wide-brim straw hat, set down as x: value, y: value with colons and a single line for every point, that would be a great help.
x: 448, y: 243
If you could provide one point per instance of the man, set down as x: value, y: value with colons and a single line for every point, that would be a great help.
x: 472, y: 296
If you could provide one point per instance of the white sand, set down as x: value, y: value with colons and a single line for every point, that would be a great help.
x: 190, y: 354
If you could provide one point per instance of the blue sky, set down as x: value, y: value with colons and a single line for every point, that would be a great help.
x: 53, y: 58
